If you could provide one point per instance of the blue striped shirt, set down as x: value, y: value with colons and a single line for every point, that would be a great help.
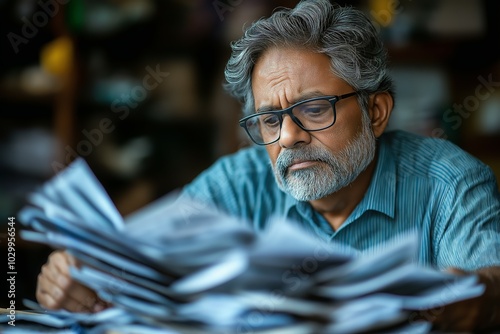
x: 420, y: 183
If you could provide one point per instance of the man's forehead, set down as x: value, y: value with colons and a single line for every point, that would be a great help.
x: 283, y: 76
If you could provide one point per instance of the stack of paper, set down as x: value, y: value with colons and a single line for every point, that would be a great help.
x: 188, y: 268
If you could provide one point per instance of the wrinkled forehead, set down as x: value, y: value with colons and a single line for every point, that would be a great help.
x: 284, y: 76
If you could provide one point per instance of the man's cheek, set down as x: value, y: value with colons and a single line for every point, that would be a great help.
x: 273, y: 153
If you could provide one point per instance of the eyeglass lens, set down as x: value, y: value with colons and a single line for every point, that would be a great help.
x: 313, y: 115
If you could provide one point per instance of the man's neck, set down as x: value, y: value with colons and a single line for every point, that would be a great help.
x: 339, y: 205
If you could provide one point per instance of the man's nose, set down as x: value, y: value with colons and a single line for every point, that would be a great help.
x: 292, y: 134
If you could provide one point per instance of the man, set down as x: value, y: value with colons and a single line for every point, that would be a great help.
x: 317, y: 97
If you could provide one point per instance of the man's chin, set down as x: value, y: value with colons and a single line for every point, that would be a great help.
x: 302, y: 191
x: 305, y: 197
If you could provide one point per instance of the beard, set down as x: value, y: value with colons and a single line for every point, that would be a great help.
x: 333, y: 173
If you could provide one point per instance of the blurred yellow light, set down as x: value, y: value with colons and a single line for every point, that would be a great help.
x: 382, y: 11
x: 57, y: 56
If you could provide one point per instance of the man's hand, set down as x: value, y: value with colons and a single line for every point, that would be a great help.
x: 463, y: 316
x: 473, y: 314
x: 57, y: 290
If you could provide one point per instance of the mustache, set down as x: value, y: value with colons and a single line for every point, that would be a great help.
x: 288, y: 157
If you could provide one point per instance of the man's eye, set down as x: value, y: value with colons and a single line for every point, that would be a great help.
x: 270, y: 120
x: 313, y: 111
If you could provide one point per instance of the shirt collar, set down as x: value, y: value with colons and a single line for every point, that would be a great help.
x: 381, y: 194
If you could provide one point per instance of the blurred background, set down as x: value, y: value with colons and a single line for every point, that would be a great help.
x: 135, y: 87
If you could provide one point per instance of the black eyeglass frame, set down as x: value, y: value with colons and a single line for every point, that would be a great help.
x: 288, y: 111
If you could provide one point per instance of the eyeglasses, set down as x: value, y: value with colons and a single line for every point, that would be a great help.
x: 314, y: 114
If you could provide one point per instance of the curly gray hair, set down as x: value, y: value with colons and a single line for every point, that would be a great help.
x: 344, y: 34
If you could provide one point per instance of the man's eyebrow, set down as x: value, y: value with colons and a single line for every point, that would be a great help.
x: 303, y: 97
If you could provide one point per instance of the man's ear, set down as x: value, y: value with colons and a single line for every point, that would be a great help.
x: 380, y: 108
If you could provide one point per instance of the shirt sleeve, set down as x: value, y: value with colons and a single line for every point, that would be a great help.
x: 468, y: 224
x: 241, y: 185
x: 236, y: 184
x: 214, y: 188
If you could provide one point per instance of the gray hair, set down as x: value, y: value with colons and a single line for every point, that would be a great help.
x: 344, y: 34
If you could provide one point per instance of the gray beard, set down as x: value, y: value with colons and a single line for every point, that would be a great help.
x: 333, y: 173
